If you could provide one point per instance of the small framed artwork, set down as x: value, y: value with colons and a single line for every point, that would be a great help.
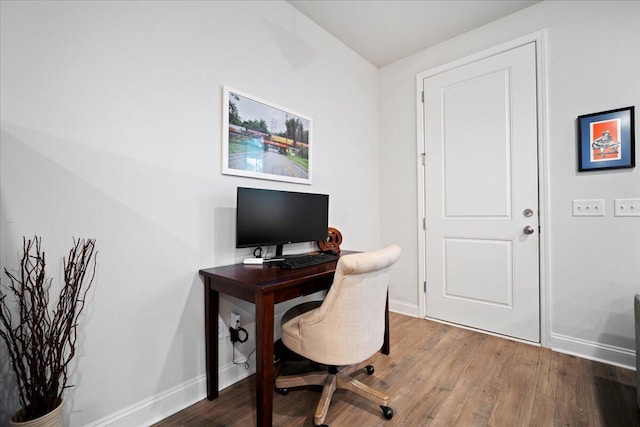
x: 606, y: 140
x: 263, y: 140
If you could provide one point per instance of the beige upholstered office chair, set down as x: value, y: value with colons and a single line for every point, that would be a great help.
x: 345, y: 329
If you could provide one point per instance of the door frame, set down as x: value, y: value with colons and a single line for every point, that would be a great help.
x: 539, y: 38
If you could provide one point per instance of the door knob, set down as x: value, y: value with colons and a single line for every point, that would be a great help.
x: 528, y: 229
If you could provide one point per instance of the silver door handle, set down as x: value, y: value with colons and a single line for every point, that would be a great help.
x: 528, y: 229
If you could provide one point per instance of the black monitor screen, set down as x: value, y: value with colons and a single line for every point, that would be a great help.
x: 271, y: 217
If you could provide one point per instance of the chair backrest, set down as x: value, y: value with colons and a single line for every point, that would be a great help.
x: 349, y: 326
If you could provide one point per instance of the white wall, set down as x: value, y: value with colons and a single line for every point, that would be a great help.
x: 111, y: 128
x: 593, y: 64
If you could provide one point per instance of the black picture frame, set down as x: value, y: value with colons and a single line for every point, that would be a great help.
x: 606, y: 140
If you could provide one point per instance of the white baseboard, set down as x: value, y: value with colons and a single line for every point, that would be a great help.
x: 167, y: 403
x: 591, y: 350
x: 404, y: 308
x: 157, y: 407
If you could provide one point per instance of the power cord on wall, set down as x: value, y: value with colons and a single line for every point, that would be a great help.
x: 235, y: 338
x: 246, y: 362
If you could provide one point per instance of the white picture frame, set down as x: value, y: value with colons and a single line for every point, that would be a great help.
x: 263, y: 140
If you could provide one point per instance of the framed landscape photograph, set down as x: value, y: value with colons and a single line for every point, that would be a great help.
x: 263, y: 140
x: 606, y: 140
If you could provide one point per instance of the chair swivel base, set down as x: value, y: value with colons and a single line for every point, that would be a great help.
x: 331, y: 381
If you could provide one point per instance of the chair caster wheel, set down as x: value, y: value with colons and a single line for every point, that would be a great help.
x: 369, y: 369
x: 387, y: 412
x: 282, y: 391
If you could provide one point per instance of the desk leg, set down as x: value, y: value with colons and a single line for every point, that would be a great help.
x: 264, y: 358
x: 211, y: 309
x: 386, y: 345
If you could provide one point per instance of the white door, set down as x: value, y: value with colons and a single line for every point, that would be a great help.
x: 482, y: 195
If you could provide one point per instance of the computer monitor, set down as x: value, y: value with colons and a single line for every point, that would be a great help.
x: 272, y: 217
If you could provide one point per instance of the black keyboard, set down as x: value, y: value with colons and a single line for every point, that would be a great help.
x: 299, y: 261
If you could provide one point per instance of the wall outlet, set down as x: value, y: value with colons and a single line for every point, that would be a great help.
x: 234, y: 320
x: 592, y: 207
x: 626, y: 207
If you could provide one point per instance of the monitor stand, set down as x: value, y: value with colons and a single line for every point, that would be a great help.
x: 278, y: 251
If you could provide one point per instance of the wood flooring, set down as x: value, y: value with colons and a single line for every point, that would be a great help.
x: 440, y: 375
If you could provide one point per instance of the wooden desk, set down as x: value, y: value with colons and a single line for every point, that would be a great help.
x: 264, y: 286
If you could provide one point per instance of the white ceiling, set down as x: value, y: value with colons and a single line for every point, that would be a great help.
x: 383, y: 31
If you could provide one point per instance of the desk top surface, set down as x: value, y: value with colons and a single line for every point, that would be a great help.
x: 263, y: 276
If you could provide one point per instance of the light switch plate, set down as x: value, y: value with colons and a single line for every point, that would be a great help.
x: 590, y: 207
x: 626, y: 207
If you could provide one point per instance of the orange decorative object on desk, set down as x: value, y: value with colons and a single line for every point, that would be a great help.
x: 331, y: 242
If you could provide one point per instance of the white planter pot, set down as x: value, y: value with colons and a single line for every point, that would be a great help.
x: 52, y: 419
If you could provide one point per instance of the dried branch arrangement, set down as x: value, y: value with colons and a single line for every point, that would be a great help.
x: 41, y: 338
